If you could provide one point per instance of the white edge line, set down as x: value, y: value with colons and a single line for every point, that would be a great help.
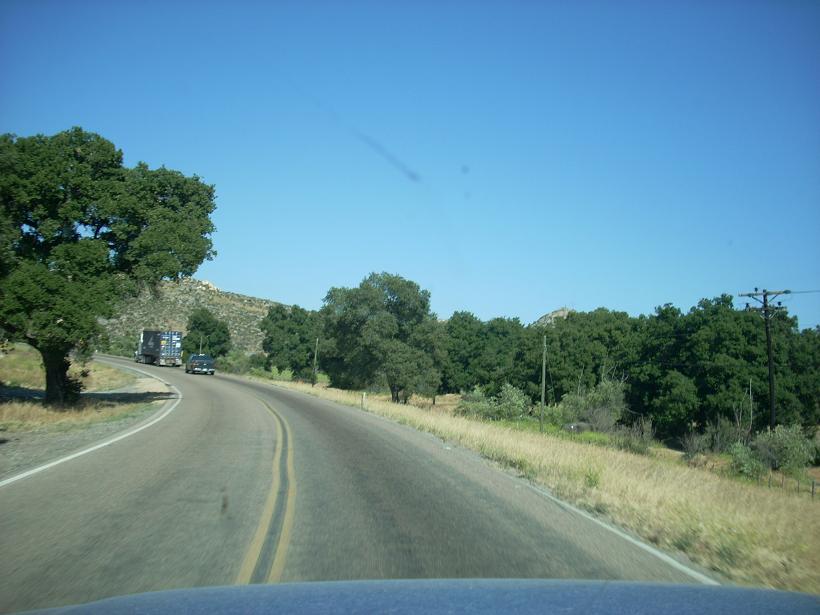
x: 104, y: 443
x: 700, y: 577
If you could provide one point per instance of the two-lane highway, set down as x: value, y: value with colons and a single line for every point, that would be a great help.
x: 245, y: 482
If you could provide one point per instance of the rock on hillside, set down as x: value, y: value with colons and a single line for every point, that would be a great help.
x: 173, y: 304
x: 548, y: 319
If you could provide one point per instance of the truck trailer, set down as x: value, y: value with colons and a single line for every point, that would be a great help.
x: 162, y: 348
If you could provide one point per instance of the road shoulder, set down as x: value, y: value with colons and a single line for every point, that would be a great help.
x: 21, y: 451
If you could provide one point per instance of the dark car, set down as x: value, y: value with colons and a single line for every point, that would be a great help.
x: 199, y: 364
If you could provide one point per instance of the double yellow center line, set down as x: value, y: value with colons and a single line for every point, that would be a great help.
x: 253, y: 565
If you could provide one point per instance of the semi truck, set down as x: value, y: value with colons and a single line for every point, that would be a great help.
x: 162, y: 348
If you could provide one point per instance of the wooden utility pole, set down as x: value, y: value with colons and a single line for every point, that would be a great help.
x: 768, y: 311
x: 315, y: 362
x: 543, y: 382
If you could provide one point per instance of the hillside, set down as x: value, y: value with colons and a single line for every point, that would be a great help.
x: 548, y: 319
x: 174, y: 302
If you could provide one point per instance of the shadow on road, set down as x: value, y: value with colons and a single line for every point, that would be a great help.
x: 8, y: 394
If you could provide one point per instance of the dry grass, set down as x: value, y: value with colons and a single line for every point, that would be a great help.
x: 752, y: 535
x: 22, y: 367
x: 30, y: 415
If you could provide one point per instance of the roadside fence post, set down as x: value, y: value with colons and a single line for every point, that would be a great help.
x: 364, y: 400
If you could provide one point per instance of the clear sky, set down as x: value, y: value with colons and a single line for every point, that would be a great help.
x: 510, y: 157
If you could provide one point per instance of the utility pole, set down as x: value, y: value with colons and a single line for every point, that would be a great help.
x: 751, y: 408
x: 200, y: 343
x: 315, y: 360
x: 543, y: 383
x: 768, y: 311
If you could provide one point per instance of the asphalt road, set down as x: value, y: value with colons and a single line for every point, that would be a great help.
x: 249, y: 483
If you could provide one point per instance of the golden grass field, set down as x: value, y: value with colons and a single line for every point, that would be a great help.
x: 21, y: 367
x: 750, y: 534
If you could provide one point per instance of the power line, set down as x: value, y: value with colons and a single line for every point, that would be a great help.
x: 768, y: 311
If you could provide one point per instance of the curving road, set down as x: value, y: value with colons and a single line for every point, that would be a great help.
x: 250, y: 483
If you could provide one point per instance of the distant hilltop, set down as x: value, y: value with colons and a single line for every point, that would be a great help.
x: 548, y: 319
x: 173, y: 303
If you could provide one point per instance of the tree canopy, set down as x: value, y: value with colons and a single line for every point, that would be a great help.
x: 290, y: 336
x: 205, y: 331
x: 381, y: 329
x: 680, y: 370
x: 79, y: 232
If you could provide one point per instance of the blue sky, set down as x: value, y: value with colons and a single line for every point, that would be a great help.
x: 511, y: 157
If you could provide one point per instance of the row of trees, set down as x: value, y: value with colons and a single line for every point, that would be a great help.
x: 677, y: 369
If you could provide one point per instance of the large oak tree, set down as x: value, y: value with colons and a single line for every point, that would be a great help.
x: 382, y: 328
x: 79, y: 232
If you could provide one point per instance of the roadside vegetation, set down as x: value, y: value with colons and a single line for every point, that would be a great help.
x: 31, y: 415
x: 21, y: 367
x: 616, y: 387
x: 748, y: 533
x: 654, y: 422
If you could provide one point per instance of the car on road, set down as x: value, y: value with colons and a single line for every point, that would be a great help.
x: 199, y: 364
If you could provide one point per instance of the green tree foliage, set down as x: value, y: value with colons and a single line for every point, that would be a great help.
x: 784, y: 448
x: 290, y: 339
x: 668, y: 372
x: 79, y: 232
x: 465, y: 338
x: 489, y: 354
x: 205, y: 331
x: 745, y: 462
x: 584, y: 348
x: 675, y: 403
x: 408, y: 370
x: 381, y: 329
x: 687, y: 369
x: 505, y: 356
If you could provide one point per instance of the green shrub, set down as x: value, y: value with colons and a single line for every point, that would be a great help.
x: 120, y: 345
x: 592, y: 477
x: 553, y: 416
x: 745, y: 462
x: 476, y: 404
x: 721, y: 434
x: 636, y: 438
x: 602, y: 406
x: 601, y: 419
x: 594, y: 437
x: 511, y: 403
x: 784, y: 448
x: 694, y: 444
x: 238, y: 362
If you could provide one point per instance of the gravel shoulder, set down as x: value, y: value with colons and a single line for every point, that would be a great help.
x: 23, y: 450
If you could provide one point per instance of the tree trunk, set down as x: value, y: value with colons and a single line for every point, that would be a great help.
x: 60, y: 389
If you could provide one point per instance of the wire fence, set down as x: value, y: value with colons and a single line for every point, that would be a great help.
x: 794, y: 485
